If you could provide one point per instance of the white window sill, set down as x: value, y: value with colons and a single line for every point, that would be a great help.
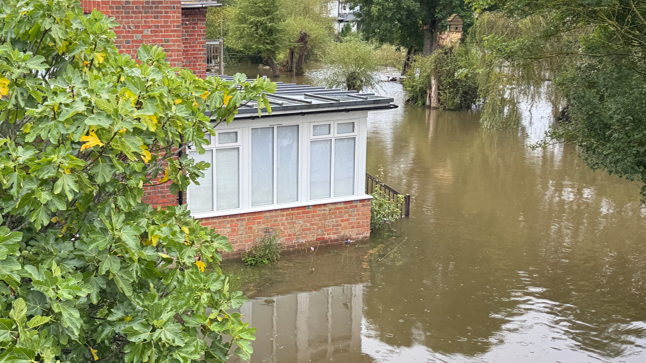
x: 264, y: 208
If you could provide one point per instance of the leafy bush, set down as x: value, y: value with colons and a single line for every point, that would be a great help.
x: 391, y: 56
x: 383, y: 211
x: 350, y: 65
x: 458, y: 88
x: 90, y: 272
x: 264, y: 252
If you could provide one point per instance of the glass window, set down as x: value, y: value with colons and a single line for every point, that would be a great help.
x: 287, y: 163
x: 345, y: 128
x: 262, y: 166
x: 201, y: 196
x: 227, y: 183
x: 228, y: 137
x: 321, y: 130
x: 344, y: 167
x: 320, y: 168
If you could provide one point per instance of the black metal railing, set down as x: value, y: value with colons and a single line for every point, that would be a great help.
x: 373, y: 184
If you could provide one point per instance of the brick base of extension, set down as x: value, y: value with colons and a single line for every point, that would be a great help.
x: 297, y: 227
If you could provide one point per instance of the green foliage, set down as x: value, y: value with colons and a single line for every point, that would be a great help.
x: 264, y: 252
x: 383, y: 210
x: 401, y: 22
x: 458, y: 89
x: 257, y: 28
x: 309, y: 16
x: 390, y: 56
x: 219, y: 20
x: 350, y: 65
x: 88, y: 271
x: 347, y: 30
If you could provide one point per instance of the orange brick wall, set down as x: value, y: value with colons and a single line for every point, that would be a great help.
x: 181, y: 32
x: 194, y: 40
x: 318, y: 224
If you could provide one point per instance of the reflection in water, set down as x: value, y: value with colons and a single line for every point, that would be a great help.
x: 511, y: 254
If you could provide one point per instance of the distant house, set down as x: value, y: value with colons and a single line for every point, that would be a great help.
x: 299, y: 172
x: 344, y: 14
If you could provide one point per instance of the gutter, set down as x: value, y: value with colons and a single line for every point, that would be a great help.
x: 303, y: 113
x: 199, y: 4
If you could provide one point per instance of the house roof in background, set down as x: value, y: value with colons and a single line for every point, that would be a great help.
x: 293, y: 99
x: 195, y: 4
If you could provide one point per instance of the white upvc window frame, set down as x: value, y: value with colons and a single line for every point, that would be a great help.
x: 305, y: 126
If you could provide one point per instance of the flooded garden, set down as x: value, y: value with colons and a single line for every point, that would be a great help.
x: 510, y: 254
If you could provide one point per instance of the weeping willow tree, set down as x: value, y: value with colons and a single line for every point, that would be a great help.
x: 587, y: 58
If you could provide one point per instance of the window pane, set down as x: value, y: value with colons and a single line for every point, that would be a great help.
x: 287, y: 160
x: 321, y: 130
x: 262, y: 166
x: 343, y: 167
x: 228, y: 137
x: 227, y: 178
x: 345, y: 128
x: 320, y: 167
x: 201, y: 196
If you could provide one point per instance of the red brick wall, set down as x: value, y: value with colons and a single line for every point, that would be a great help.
x: 194, y: 40
x: 182, y: 33
x: 318, y: 224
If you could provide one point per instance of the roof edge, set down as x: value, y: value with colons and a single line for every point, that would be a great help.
x: 199, y: 4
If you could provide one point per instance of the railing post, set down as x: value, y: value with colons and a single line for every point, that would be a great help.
x: 407, y: 204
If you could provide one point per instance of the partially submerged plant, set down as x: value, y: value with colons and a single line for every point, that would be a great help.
x: 264, y: 252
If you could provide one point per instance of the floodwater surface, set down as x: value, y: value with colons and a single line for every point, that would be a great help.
x: 510, y: 255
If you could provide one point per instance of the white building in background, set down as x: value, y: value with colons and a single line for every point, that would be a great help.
x: 344, y: 14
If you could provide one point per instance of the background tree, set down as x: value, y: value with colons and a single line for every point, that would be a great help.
x: 412, y: 24
x: 257, y: 28
x: 88, y: 271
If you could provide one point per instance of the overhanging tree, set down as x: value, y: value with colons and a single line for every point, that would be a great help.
x: 88, y: 271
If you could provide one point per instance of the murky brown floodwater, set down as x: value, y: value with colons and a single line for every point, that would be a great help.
x: 511, y: 255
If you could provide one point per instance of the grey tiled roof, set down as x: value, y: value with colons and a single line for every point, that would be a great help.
x: 293, y: 99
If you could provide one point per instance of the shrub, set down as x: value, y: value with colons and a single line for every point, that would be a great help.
x: 90, y: 272
x: 264, y: 252
x: 350, y: 65
x: 391, y: 56
x: 458, y: 89
x: 383, y: 211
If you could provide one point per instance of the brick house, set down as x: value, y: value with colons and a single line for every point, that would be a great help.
x: 299, y: 172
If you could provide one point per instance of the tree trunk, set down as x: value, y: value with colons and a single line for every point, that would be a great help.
x: 409, y: 58
x: 433, y: 95
x: 427, y: 49
x: 290, y: 61
x: 303, y: 40
x: 274, y: 67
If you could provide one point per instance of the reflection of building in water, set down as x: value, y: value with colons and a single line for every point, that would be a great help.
x: 308, y: 326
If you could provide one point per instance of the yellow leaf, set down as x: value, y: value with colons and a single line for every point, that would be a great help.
x: 205, y: 95
x: 100, y: 57
x: 65, y: 228
x: 122, y: 79
x: 123, y: 131
x: 54, y: 220
x: 178, y: 101
x: 26, y: 128
x: 146, y: 242
x: 4, y: 86
x: 201, y: 265
x: 155, y: 239
x: 128, y: 319
x: 68, y: 171
x: 146, y: 154
x: 90, y: 141
x: 163, y: 255
x: 85, y: 63
x: 226, y: 99
x: 150, y: 121
x: 131, y: 96
x: 185, y: 229
x: 166, y: 177
x: 94, y: 351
